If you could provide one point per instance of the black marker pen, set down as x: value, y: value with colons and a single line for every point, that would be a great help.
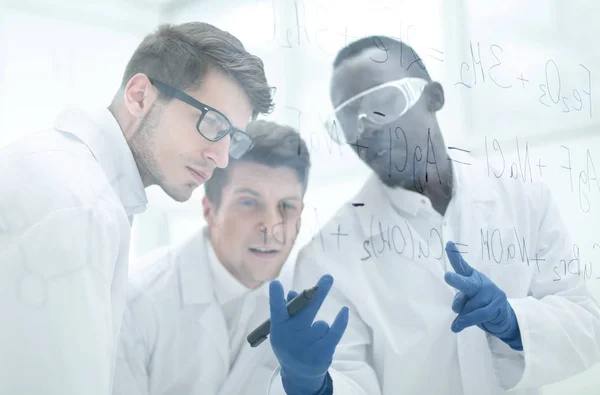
x: 261, y: 333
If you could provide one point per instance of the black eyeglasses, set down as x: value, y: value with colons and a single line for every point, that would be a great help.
x: 212, y: 124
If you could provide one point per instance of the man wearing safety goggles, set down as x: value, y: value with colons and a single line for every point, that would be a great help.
x: 431, y: 310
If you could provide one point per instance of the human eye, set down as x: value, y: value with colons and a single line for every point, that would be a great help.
x: 288, y: 206
x: 210, y: 120
x: 246, y: 202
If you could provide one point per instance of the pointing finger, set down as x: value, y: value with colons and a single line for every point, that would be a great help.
x: 459, y: 265
x: 277, y: 305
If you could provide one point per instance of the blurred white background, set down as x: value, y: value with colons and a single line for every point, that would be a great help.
x: 522, y: 76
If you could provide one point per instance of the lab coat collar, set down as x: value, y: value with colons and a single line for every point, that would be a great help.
x: 471, y: 186
x: 103, y: 136
x: 196, y: 279
x: 405, y: 201
x: 227, y: 287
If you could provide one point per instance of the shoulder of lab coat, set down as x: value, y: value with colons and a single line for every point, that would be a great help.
x: 350, y: 372
x: 47, y: 172
x: 58, y: 223
x: 559, y: 320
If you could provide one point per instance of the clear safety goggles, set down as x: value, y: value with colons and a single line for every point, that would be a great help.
x: 379, y: 105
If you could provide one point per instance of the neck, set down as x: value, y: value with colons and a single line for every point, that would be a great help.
x: 128, y: 127
x: 439, y: 187
x: 231, y: 268
x: 123, y: 118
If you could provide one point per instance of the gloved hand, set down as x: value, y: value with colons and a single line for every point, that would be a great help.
x: 480, y: 302
x: 304, y: 349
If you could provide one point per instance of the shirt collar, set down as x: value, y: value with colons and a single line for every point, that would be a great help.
x: 405, y: 201
x: 411, y: 202
x: 100, y: 131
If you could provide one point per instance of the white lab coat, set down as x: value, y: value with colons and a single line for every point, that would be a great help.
x: 400, y: 304
x: 68, y: 194
x: 174, y: 338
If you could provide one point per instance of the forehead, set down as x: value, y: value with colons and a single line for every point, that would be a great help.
x: 279, y: 181
x: 367, y: 69
x: 223, y: 93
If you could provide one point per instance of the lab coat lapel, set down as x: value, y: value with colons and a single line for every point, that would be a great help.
x: 476, y: 201
x: 103, y: 136
x: 475, y: 208
x: 250, y: 360
x: 385, y: 230
x: 198, y: 296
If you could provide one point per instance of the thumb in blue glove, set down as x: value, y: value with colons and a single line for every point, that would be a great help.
x: 304, y: 349
x: 480, y: 302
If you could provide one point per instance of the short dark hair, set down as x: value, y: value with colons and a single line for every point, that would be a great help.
x: 384, y: 43
x: 275, y: 145
x: 180, y: 55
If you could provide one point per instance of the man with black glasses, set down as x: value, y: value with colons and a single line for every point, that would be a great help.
x: 193, y: 304
x: 69, y: 195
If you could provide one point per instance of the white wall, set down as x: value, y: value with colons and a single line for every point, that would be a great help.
x: 61, y: 53
x: 51, y: 57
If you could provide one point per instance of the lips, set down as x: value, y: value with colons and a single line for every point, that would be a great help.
x: 264, y: 252
x: 198, y: 175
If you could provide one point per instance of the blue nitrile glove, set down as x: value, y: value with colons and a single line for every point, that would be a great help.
x: 480, y: 302
x: 304, y: 349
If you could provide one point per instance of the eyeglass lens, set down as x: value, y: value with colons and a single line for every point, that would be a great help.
x: 213, y: 126
x: 382, y: 106
x: 240, y: 144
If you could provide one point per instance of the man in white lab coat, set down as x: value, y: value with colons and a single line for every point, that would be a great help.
x: 69, y: 195
x: 448, y: 271
x: 193, y: 304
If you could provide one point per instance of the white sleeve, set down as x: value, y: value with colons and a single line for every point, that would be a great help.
x: 559, y: 321
x: 55, y: 293
x: 350, y: 372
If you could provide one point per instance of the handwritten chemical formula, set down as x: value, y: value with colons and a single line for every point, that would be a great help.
x: 494, y: 246
x: 548, y: 84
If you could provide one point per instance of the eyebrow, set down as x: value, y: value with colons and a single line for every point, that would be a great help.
x: 254, y: 193
x: 247, y: 190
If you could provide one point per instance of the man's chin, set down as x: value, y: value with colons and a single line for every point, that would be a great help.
x: 257, y: 284
x: 265, y: 277
x: 181, y: 194
x: 395, y: 182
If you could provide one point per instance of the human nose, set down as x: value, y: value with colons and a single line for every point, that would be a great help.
x: 218, y: 152
x: 271, y: 223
